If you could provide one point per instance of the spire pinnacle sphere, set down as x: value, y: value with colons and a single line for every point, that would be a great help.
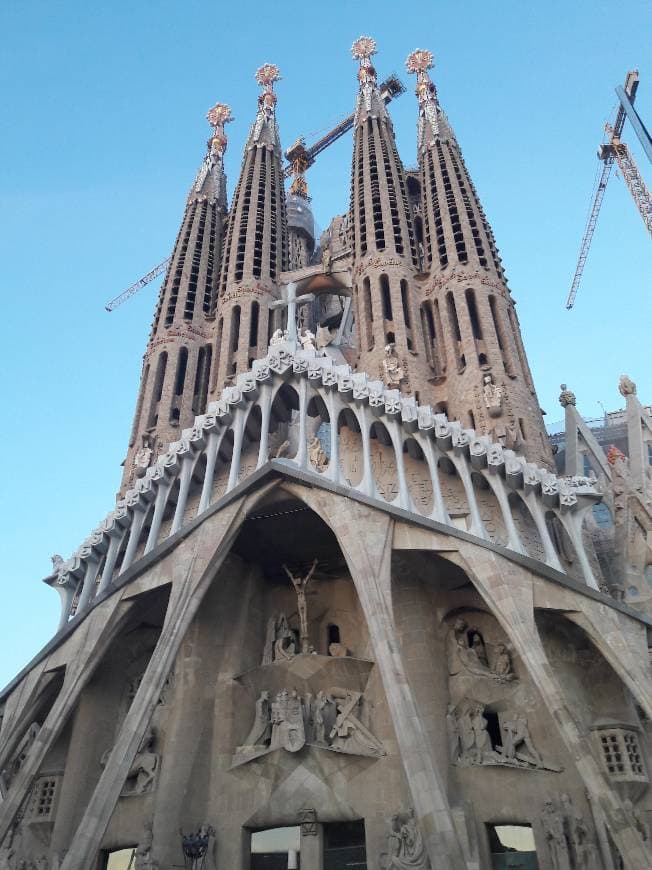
x: 363, y: 48
x: 267, y: 74
x: 420, y: 60
x: 219, y: 115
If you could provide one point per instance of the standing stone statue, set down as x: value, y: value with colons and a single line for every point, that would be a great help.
x: 316, y: 452
x: 502, y: 663
x: 393, y: 372
x: 553, y: 829
x: 261, y: 733
x: 279, y: 640
x: 301, y: 584
x: 288, y: 728
x: 307, y: 339
x: 405, y: 847
x: 143, y: 853
x: 319, y: 723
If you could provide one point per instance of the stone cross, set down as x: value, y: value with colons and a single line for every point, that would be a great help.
x: 290, y: 301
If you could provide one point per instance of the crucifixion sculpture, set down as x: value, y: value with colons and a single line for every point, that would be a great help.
x: 301, y: 584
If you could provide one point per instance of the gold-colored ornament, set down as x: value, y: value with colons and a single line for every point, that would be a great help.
x: 419, y: 60
x: 363, y: 48
x: 267, y: 74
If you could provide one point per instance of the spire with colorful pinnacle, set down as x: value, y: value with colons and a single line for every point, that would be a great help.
x: 176, y: 365
x: 255, y: 252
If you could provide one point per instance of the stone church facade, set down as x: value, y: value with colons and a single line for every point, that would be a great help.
x: 345, y: 597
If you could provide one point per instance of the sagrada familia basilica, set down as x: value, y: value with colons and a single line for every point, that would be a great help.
x: 352, y: 608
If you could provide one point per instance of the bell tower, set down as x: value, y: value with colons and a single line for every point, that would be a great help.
x: 256, y: 248
x: 468, y: 318
x: 176, y: 366
x: 384, y: 253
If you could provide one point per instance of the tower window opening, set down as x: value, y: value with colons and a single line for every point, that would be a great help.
x: 253, y: 324
x: 406, y: 303
x: 182, y: 365
x: 482, y: 359
x: 473, y: 314
x: 139, y: 405
x: 234, y: 339
x: 200, y: 391
x: 501, y: 338
x: 455, y: 329
x: 472, y: 419
x: 386, y: 297
x: 218, y: 348
x: 519, y: 349
x: 368, y: 312
x: 157, y: 390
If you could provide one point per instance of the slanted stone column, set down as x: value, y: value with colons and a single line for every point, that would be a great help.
x: 94, y: 637
x: 507, y: 590
x: 192, y: 570
x: 365, y: 536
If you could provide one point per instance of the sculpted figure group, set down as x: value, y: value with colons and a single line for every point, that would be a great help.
x: 405, y: 847
x: 470, y: 742
x: 330, y: 719
x: 569, y: 838
x: 467, y: 654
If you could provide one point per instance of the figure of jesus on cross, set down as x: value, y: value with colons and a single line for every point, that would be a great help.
x: 290, y: 301
x: 301, y: 584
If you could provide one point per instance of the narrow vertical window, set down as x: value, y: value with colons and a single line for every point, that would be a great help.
x: 157, y: 391
x: 406, y: 303
x: 182, y: 365
x: 235, y: 328
x: 386, y: 297
x: 253, y: 324
x: 473, y: 314
x: 455, y: 329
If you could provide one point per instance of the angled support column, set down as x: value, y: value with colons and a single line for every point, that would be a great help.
x: 159, y: 509
x: 88, y: 583
x: 439, y: 512
x: 396, y: 435
x: 366, y: 540
x: 185, y: 476
x: 367, y: 484
x: 265, y: 404
x: 115, y: 539
x: 214, y: 444
x: 193, y: 570
x: 507, y: 590
x: 238, y: 435
x: 137, y: 520
x: 334, y: 471
x: 94, y: 636
x: 513, y: 538
x: 536, y: 511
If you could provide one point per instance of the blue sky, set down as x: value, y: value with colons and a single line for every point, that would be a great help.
x: 103, y: 108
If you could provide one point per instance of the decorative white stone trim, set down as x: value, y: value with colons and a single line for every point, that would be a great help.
x: 340, y: 388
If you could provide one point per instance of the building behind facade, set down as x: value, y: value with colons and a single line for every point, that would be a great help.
x: 353, y: 607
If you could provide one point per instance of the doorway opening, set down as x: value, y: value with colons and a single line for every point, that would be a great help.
x: 119, y: 859
x: 344, y: 846
x: 276, y: 849
x: 512, y: 847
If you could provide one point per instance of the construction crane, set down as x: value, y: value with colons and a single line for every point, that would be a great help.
x: 616, y: 150
x: 142, y: 282
x: 300, y: 159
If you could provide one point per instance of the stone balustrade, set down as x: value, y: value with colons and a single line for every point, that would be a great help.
x: 148, y: 514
